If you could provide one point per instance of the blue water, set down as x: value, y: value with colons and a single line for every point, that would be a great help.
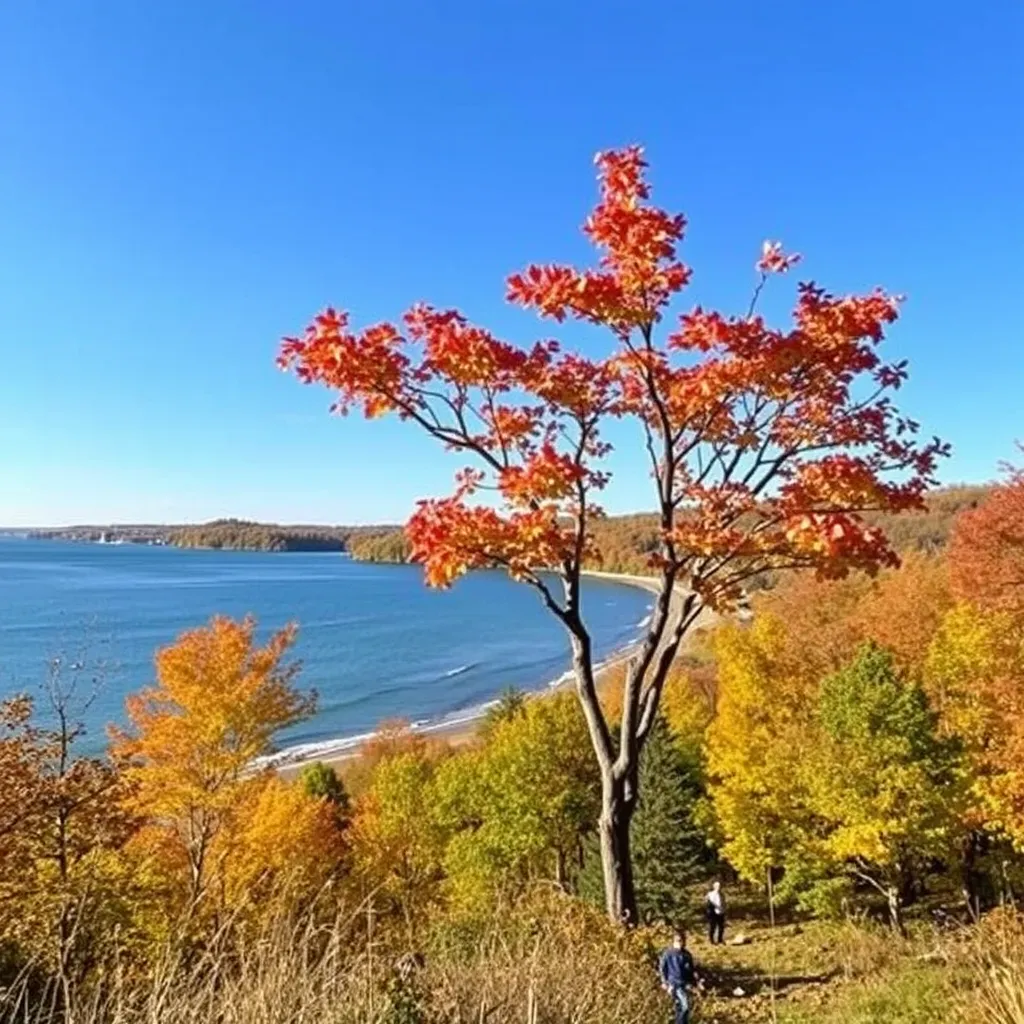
x: 374, y: 642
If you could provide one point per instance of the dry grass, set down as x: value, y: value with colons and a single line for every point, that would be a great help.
x: 550, y: 961
x: 799, y: 970
x: 858, y: 973
x: 555, y: 957
x: 995, y: 956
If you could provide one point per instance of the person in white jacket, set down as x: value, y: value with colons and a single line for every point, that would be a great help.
x: 714, y: 907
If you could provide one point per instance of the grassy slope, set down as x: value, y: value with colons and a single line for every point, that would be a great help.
x: 824, y: 973
x: 858, y: 973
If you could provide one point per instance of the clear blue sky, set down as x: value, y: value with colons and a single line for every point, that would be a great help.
x: 181, y: 183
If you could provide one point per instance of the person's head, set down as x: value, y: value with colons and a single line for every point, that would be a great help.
x: 716, y: 885
x: 679, y: 938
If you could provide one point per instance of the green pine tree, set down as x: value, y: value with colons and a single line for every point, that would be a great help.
x: 508, y: 706
x: 667, y: 845
x: 321, y: 780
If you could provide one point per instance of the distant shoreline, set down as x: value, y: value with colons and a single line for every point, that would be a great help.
x: 218, y: 535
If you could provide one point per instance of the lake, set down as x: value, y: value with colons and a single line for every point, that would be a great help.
x: 374, y: 641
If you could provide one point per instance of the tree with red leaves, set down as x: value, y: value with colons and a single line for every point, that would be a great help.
x: 766, y: 446
x: 986, y: 550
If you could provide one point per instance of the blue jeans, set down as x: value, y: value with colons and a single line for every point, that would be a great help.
x: 681, y: 1005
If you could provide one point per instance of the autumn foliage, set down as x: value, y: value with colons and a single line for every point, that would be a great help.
x: 62, y: 821
x: 779, y: 402
x: 215, y: 830
x: 987, y: 550
x: 857, y: 743
x: 769, y: 447
x: 874, y: 728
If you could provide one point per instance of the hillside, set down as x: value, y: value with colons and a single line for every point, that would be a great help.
x: 782, y: 753
x: 625, y: 542
x: 242, y: 535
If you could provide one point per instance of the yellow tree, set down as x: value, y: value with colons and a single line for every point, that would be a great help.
x: 191, y: 753
x: 760, y: 739
x: 397, y: 846
x: 883, y: 782
x: 975, y: 674
x: 393, y: 737
x: 518, y: 808
x: 284, y: 841
x: 689, y: 705
x: 976, y: 665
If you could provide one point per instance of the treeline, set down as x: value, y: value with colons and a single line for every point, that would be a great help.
x: 625, y: 543
x: 379, y: 545
x: 242, y: 535
x: 230, y: 534
x: 929, y: 530
x: 129, y: 533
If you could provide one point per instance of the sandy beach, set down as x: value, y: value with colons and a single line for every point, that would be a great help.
x: 460, y: 730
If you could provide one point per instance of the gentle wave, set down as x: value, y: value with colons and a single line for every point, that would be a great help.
x: 458, y: 671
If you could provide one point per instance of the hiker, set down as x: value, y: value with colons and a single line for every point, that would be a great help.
x: 678, y: 974
x: 714, y: 907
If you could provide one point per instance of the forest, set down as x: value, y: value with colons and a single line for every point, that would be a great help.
x: 243, y: 535
x: 848, y: 761
x: 625, y: 543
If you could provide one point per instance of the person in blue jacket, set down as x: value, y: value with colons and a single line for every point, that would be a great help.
x: 678, y: 975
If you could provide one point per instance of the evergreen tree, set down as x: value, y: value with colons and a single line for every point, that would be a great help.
x: 321, y: 780
x: 507, y: 707
x: 666, y: 843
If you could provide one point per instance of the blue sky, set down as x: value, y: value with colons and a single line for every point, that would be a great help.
x: 181, y: 183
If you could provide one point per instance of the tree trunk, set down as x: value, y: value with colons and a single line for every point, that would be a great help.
x: 771, y: 924
x: 970, y: 874
x: 892, y: 894
x: 619, y: 763
x: 616, y: 862
x: 909, y: 886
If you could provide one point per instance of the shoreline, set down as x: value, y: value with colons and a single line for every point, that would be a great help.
x: 459, y: 727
